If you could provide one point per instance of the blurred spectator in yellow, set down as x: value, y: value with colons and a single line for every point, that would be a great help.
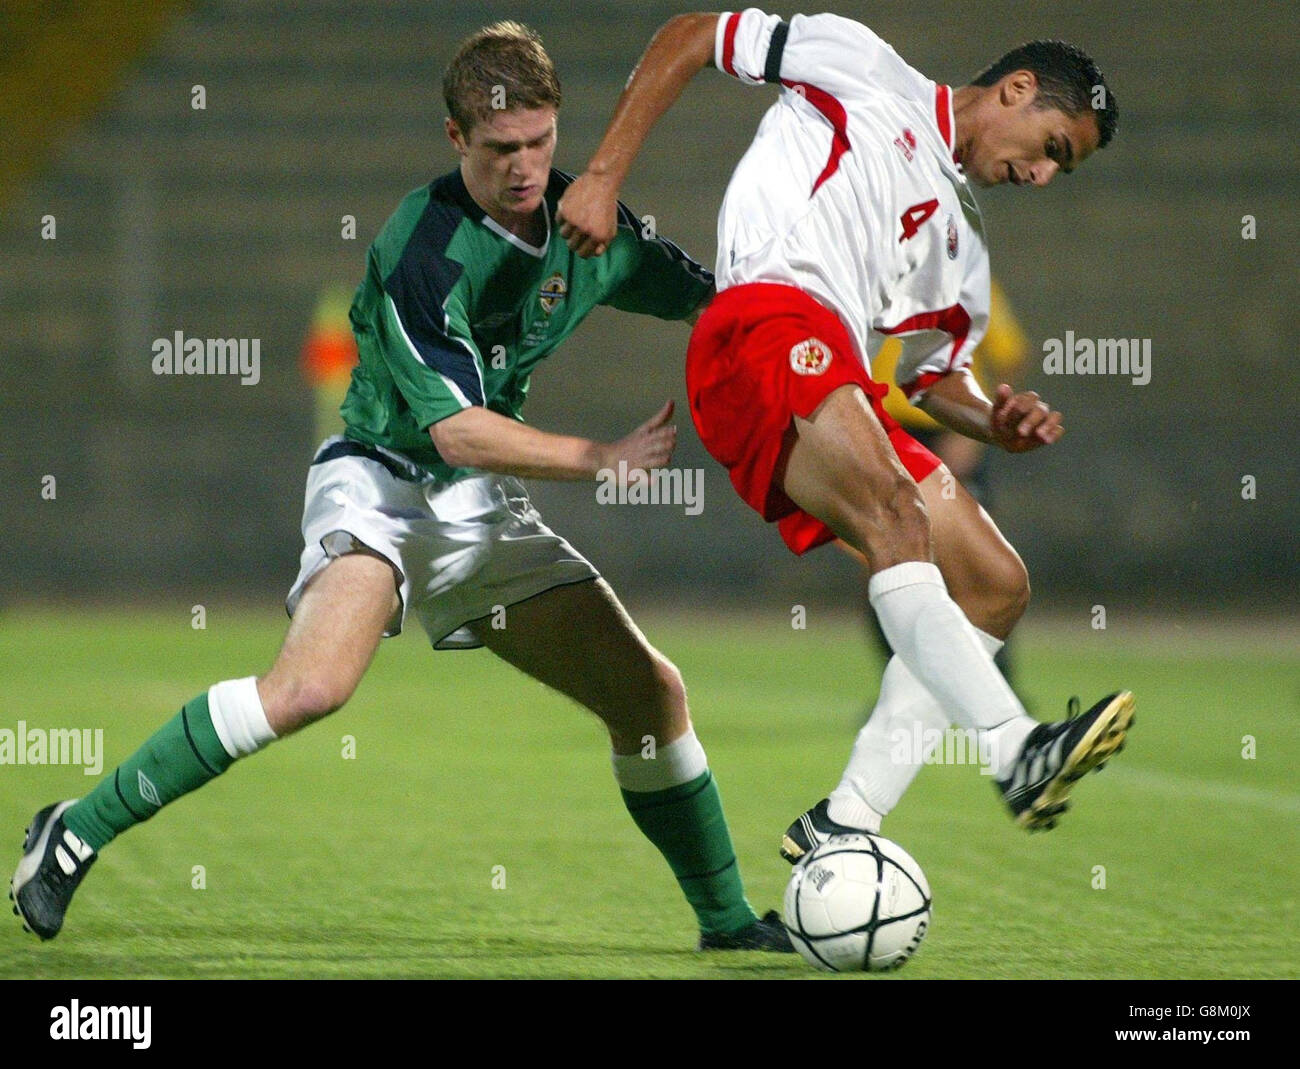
x: 329, y: 354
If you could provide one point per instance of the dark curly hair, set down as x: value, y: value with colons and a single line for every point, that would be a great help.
x: 1068, y: 80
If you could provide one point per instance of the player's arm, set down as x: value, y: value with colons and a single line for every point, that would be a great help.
x: 428, y: 346
x: 477, y: 437
x: 1018, y: 422
x: 587, y: 212
x: 650, y: 275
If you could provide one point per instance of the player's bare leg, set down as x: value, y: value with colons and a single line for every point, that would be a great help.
x: 841, y: 469
x: 579, y: 640
x: 983, y: 572
x: 331, y: 640
x: 988, y: 580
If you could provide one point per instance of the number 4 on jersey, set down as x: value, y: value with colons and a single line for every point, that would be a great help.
x: 915, y: 216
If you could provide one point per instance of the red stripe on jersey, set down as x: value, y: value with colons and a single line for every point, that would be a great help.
x: 729, y: 44
x: 954, y: 320
x: 835, y: 114
x: 942, y: 109
x: 924, y: 382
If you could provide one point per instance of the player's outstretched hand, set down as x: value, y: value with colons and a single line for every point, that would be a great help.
x: 1021, y: 422
x: 650, y: 446
x: 588, y: 214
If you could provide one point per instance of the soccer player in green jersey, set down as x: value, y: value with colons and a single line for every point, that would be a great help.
x: 418, y: 508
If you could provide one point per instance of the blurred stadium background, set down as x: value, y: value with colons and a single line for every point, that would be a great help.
x: 226, y: 222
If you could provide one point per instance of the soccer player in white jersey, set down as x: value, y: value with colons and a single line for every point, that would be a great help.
x: 851, y: 218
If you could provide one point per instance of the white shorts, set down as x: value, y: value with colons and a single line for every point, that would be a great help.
x: 462, y: 548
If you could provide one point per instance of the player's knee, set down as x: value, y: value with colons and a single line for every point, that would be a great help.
x: 670, y: 688
x: 650, y: 699
x: 1017, y: 589
x: 1009, y: 584
x: 661, y: 711
x: 296, y: 701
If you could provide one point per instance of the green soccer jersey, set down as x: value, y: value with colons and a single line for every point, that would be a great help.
x: 455, y: 311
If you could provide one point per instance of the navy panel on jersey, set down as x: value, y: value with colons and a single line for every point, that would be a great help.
x: 419, y: 287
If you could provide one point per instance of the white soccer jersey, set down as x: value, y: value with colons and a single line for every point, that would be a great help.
x: 850, y: 192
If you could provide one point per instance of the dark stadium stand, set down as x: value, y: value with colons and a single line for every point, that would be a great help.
x: 225, y: 222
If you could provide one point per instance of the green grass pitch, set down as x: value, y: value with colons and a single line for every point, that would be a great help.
x: 466, y: 774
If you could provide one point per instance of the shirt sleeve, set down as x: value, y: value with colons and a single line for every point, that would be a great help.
x: 659, y: 279
x: 426, y: 342
x: 938, y: 345
x: 826, y: 52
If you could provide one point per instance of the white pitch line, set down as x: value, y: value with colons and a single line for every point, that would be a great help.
x: 1211, y: 790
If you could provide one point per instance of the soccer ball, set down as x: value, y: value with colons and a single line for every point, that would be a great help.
x: 858, y: 903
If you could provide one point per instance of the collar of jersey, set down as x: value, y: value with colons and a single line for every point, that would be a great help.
x: 533, y: 250
x: 945, y: 118
x: 471, y: 208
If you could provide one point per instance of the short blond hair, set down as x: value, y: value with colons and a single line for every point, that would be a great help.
x: 499, y: 68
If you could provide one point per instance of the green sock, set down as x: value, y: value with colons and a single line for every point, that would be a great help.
x: 181, y: 756
x: 686, y: 824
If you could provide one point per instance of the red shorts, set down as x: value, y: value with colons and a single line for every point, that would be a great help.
x: 760, y: 355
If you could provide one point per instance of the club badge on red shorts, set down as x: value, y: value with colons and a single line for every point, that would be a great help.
x: 811, y: 356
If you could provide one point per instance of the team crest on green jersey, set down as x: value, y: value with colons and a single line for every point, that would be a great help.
x: 552, y: 292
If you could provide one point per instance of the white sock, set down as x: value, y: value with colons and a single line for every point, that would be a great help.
x: 931, y: 636
x: 848, y: 809
x: 681, y: 761
x: 238, y: 717
x: 903, y: 730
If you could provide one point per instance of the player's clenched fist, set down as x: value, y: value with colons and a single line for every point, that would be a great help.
x: 587, y: 214
x: 1021, y: 422
x: 650, y: 446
